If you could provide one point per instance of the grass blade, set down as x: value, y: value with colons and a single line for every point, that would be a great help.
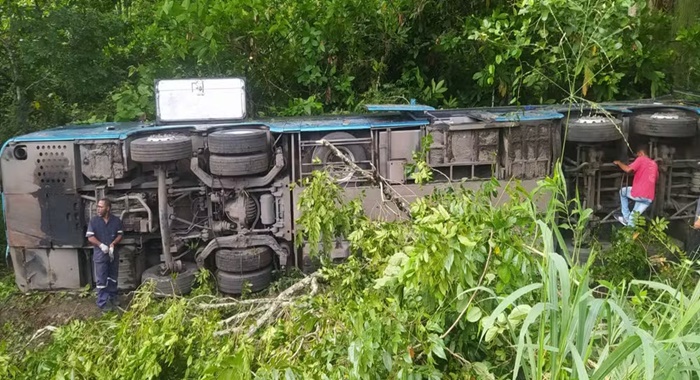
x: 508, y: 301
x: 581, y: 373
x: 675, y: 293
x: 534, y: 313
x: 618, y: 356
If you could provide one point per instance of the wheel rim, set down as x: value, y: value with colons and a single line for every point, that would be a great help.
x: 591, y: 120
x: 161, y: 138
x: 664, y: 116
x: 336, y: 168
x: 237, y: 132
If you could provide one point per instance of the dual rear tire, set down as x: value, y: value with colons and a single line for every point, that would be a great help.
x: 239, y: 152
x: 241, y: 268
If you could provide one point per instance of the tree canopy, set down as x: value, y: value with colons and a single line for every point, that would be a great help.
x: 92, y: 60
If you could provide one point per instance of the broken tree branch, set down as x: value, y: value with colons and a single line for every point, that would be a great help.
x: 374, y: 177
x: 242, y: 315
x: 234, y: 303
x: 40, y: 332
x: 268, y: 316
x: 270, y: 307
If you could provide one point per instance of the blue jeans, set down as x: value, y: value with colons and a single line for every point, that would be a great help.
x: 640, y: 204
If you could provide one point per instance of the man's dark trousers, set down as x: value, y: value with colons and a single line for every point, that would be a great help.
x: 106, y: 273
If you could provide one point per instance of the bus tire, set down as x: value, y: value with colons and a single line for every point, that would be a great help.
x: 233, y: 283
x: 665, y: 125
x: 243, y: 260
x: 325, y: 155
x: 238, y: 141
x: 166, y: 285
x: 161, y: 148
x: 594, y: 129
x: 232, y: 166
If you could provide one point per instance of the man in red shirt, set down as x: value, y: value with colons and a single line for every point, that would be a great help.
x: 643, y: 186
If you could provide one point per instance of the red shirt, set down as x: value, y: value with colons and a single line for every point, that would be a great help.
x: 645, y: 173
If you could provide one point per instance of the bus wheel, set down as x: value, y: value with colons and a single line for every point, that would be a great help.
x: 593, y: 129
x: 238, y: 141
x: 232, y: 166
x: 243, y: 260
x: 165, y: 285
x: 234, y: 283
x: 332, y: 163
x: 161, y: 148
x: 663, y: 124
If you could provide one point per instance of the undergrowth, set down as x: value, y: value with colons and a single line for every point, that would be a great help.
x: 7, y: 284
x: 464, y: 287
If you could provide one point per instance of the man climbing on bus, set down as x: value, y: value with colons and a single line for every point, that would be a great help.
x: 696, y: 220
x: 643, y: 187
x: 104, y: 232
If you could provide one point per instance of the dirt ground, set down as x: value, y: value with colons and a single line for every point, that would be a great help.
x: 24, y: 314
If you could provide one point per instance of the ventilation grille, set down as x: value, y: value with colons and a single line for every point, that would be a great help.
x: 53, y: 164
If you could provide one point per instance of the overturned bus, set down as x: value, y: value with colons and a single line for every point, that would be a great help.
x: 206, y: 187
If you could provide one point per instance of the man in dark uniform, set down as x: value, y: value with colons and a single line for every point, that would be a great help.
x: 104, y: 233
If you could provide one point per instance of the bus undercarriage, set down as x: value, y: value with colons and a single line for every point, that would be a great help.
x: 215, y: 192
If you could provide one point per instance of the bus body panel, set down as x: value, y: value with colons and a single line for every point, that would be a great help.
x: 238, y: 192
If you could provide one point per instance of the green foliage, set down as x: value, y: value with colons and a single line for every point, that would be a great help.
x: 300, y: 107
x: 569, y: 332
x: 150, y: 340
x: 87, y: 61
x: 204, y: 284
x: 625, y: 260
x: 555, y: 50
x: 465, y: 288
x: 324, y: 216
x: 59, y: 62
x: 687, y: 73
x: 135, y: 101
x: 7, y: 285
x: 419, y: 170
x: 632, y: 250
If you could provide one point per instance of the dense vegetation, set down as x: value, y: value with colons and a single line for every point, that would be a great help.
x: 462, y: 288
x: 88, y: 60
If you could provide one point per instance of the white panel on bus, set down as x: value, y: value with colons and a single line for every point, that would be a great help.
x: 187, y: 100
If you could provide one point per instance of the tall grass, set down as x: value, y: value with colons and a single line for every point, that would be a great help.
x: 575, y: 331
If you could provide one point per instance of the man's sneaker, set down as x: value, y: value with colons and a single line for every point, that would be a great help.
x: 108, y: 308
x: 114, y: 305
x: 621, y: 219
x: 115, y: 301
